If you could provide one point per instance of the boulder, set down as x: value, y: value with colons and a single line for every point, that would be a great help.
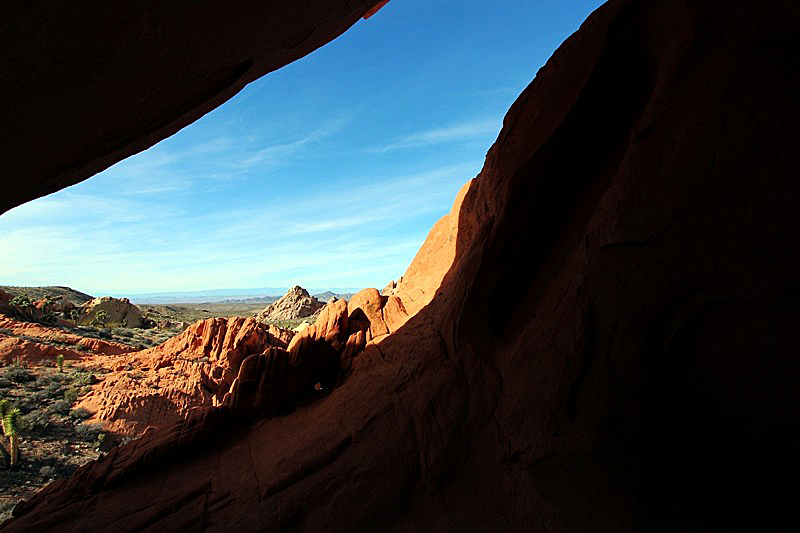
x: 5, y: 298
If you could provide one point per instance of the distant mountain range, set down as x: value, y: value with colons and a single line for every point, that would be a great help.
x: 265, y: 295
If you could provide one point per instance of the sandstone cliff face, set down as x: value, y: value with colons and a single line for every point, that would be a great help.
x: 636, y: 222
x: 296, y: 303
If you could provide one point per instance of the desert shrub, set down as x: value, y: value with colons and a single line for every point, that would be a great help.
x: 71, y: 394
x: 80, y: 413
x: 35, y: 422
x: 39, y: 396
x: 18, y: 374
x: 47, y: 472
x: 54, y: 389
x: 88, y: 432
x: 6, y: 506
x: 100, y: 317
x: 60, y: 407
x: 81, y: 378
x: 4, y: 383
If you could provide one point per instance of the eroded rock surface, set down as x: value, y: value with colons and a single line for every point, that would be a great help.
x: 604, y: 339
x: 159, y: 386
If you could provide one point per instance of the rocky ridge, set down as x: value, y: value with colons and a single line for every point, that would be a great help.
x: 296, y: 303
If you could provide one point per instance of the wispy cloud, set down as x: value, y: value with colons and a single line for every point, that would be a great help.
x: 339, y: 234
x: 455, y: 132
x: 280, y: 151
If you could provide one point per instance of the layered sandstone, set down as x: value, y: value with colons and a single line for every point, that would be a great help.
x: 606, y: 339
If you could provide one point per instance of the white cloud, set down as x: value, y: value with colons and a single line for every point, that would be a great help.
x: 455, y: 132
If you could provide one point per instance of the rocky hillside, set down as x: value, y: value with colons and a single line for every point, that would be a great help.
x: 116, y: 312
x: 296, y: 303
x: 55, y: 292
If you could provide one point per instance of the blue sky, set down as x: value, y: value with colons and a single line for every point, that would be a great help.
x: 326, y: 173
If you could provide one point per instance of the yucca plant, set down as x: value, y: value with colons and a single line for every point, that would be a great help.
x: 60, y: 362
x: 11, y: 418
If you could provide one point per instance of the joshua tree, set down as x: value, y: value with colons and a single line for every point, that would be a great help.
x: 11, y: 418
x: 75, y: 315
x: 100, y: 317
x: 22, y: 307
x: 60, y: 362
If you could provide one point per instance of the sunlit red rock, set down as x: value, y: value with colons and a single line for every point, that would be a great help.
x: 51, y: 343
x: 160, y: 385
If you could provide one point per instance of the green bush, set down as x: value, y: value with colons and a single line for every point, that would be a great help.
x: 60, y: 407
x: 88, y: 432
x: 80, y: 413
x: 18, y: 374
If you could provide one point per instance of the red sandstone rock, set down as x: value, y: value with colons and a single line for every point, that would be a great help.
x: 613, y: 346
x: 368, y: 304
x: 31, y: 351
x: 394, y: 313
x: 159, y: 386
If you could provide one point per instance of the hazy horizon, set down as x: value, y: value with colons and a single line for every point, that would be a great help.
x: 327, y: 172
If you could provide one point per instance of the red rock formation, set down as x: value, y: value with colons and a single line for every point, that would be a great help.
x: 159, y: 386
x: 612, y: 345
x: 54, y: 341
